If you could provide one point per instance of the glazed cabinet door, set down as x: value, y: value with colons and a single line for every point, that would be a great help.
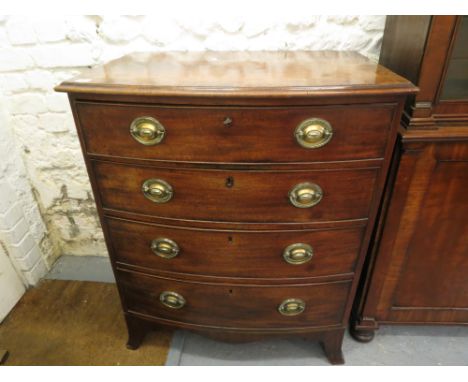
x: 455, y: 83
x: 421, y: 271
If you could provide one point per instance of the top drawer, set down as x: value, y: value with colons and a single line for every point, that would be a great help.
x: 237, y: 134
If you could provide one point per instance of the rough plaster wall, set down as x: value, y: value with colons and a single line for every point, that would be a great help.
x: 36, y: 54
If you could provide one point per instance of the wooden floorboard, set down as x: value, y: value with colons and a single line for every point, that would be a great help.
x: 75, y: 323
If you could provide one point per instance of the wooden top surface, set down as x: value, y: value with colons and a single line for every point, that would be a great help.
x: 258, y: 74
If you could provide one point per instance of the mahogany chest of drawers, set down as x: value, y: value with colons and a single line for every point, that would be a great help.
x: 238, y: 191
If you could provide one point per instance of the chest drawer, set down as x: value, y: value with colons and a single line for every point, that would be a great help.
x: 236, y: 135
x: 237, y: 196
x: 225, y: 305
x: 242, y: 254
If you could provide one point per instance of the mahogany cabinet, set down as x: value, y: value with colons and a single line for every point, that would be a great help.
x: 417, y: 268
x: 238, y: 191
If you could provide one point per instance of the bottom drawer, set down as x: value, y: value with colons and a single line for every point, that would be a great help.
x: 235, y: 306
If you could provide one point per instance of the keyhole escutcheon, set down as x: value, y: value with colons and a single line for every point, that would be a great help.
x: 227, y: 122
x: 229, y: 182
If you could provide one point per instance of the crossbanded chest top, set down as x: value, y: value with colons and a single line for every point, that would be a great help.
x: 238, y: 191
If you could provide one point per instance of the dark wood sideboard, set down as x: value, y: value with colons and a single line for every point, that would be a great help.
x: 417, y: 271
x: 238, y: 191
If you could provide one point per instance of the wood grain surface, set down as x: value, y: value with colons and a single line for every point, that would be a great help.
x: 245, y: 74
x: 418, y: 263
x: 239, y: 254
x: 254, y: 135
x: 254, y: 196
x: 236, y: 306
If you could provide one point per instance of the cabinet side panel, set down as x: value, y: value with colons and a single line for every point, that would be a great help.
x: 403, y: 44
x: 436, y: 268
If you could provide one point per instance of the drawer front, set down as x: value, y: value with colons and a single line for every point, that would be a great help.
x: 235, y: 253
x: 253, y: 134
x: 237, y: 196
x: 240, y: 306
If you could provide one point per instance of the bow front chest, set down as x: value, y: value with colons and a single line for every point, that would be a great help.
x: 238, y: 191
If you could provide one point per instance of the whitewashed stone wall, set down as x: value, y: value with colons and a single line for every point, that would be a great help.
x: 38, y: 53
x: 23, y: 235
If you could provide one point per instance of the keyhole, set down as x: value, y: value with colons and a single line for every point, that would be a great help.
x: 230, y: 239
x: 227, y: 122
x: 229, y: 182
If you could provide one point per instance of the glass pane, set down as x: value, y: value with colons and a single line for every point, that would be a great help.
x: 456, y: 80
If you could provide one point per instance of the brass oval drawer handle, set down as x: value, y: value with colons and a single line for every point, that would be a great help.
x: 305, y: 195
x: 147, y: 131
x: 313, y: 133
x: 165, y: 248
x: 157, y: 190
x: 298, y: 253
x: 292, y: 307
x: 172, y: 300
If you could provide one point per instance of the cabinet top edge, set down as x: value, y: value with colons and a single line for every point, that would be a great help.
x: 240, y: 74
